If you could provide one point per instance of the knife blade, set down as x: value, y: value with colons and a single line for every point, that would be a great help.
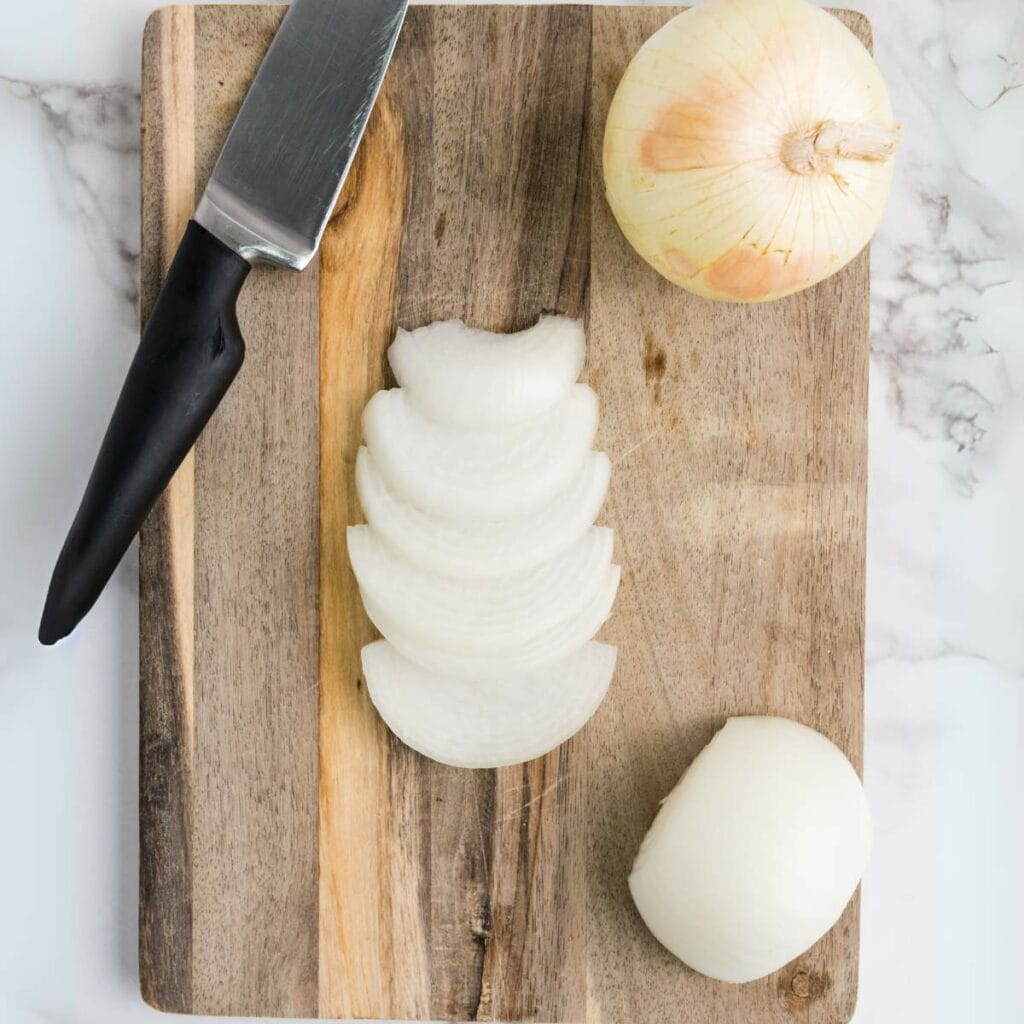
x: 268, y: 200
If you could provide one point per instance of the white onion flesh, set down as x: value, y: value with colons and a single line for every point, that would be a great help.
x: 484, y: 474
x: 474, y: 550
x: 487, y: 723
x: 756, y: 852
x: 464, y: 377
x: 481, y: 615
x: 556, y: 643
x: 480, y: 563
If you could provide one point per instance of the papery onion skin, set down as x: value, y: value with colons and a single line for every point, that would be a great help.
x: 706, y: 148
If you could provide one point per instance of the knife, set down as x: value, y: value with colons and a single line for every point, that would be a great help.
x: 268, y: 200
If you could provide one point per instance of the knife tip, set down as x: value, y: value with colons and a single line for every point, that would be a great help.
x: 50, y: 632
x: 55, y: 623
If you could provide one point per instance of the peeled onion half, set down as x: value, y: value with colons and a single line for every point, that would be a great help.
x: 756, y: 852
x: 479, y: 474
x: 464, y: 377
x: 481, y: 549
x: 748, y: 149
x: 487, y: 723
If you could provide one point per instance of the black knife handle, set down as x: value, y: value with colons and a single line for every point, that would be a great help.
x: 190, y: 352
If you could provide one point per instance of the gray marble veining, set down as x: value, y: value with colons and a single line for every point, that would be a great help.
x: 944, y: 274
x: 90, y: 133
x: 945, y: 649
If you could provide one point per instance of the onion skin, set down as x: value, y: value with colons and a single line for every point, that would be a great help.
x: 748, y: 149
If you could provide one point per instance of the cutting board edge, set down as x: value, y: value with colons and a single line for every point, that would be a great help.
x: 168, y: 1004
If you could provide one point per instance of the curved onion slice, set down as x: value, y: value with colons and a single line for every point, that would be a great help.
x: 475, y: 550
x: 475, y: 615
x: 487, y: 723
x: 490, y: 474
x: 471, y: 378
x: 498, y: 663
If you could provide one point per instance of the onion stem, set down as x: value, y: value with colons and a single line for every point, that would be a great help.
x: 815, y: 151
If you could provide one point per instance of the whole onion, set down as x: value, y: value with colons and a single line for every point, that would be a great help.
x: 748, y: 149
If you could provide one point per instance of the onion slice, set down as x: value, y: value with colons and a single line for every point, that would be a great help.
x: 489, y: 474
x: 481, y: 615
x: 475, y: 550
x: 469, y: 378
x: 487, y: 723
x: 500, y: 662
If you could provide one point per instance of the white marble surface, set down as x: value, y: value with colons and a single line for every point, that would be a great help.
x: 943, y: 898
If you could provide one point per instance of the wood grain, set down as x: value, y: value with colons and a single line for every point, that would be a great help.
x: 738, y: 447
x: 254, y: 882
x: 372, y: 944
x: 506, y: 149
x: 437, y: 900
x: 297, y: 859
x: 166, y: 550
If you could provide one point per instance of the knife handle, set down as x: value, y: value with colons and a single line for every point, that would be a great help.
x: 189, y: 353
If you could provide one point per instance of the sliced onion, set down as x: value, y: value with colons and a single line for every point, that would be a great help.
x: 487, y: 474
x: 469, y: 378
x: 473, y: 550
x: 487, y: 723
x: 499, y: 662
x: 481, y: 615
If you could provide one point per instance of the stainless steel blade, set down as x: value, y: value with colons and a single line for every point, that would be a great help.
x: 291, y: 145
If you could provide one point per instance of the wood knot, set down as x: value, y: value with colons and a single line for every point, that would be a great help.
x: 655, y: 363
x: 799, y: 987
x: 800, y: 984
x: 480, y: 932
x: 480, y: 920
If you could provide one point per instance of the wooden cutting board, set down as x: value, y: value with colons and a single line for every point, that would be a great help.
x: 297, y: 860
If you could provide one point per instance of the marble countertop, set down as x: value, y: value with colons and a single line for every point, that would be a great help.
x: 943, y: 897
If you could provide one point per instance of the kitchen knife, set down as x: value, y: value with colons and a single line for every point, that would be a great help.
x: 268, y: 200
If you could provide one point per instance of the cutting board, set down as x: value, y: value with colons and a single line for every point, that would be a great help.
x: 297, y: 860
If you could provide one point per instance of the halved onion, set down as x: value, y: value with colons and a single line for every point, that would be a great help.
x: 479, y: 550
x: 464, y: 377
x: 472, y: 723
x: 486, y: 474
x: 500, y: 662
x: 756, y: 852
x: 481, y: 615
